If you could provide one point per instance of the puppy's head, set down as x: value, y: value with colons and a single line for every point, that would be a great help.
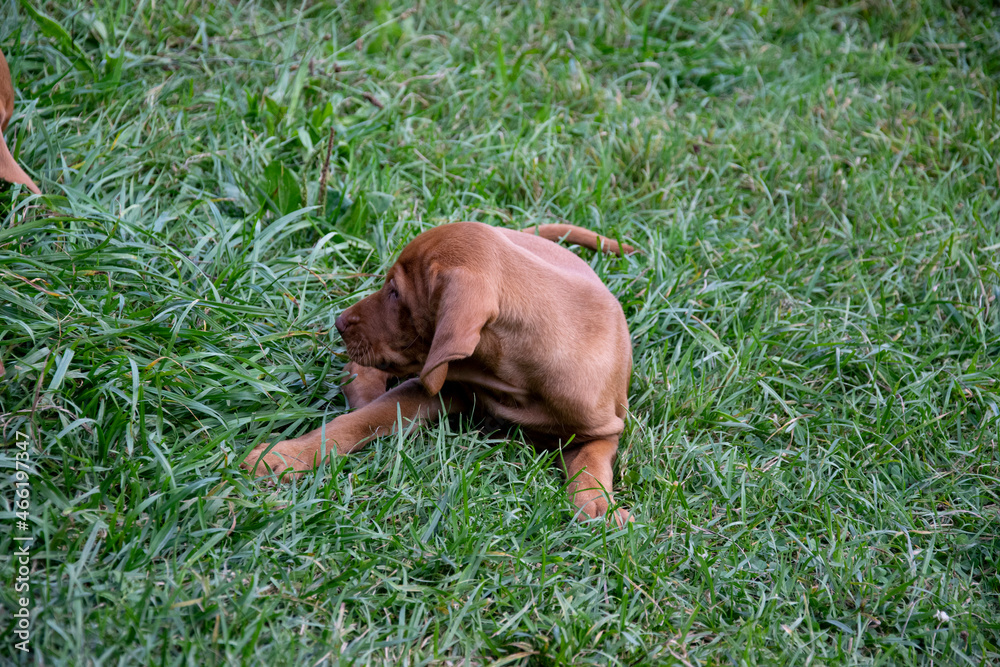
x: 431, y: 310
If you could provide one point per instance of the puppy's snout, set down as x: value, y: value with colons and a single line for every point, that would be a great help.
x: 345, y: 320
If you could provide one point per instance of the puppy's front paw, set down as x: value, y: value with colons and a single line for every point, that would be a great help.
x: 367, y: 385
x: 286, y: 457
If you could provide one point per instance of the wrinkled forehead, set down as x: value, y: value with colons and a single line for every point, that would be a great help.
x: 419, y: 255
x: 422, y: 249
x: 405, y: 277
x: 433, y: 253
x: 441, y: 248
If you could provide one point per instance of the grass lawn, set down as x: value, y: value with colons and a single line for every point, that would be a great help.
x: 812, y: 456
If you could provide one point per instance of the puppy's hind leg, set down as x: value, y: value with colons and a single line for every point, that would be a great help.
x: 588, y: 467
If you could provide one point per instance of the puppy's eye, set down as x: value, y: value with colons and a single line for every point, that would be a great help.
x: 393, y: 293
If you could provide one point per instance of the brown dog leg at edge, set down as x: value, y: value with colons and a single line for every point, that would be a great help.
x: 10, y: 170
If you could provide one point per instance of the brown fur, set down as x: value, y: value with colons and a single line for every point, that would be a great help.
x: 508, y: 322
x: 10, y: 170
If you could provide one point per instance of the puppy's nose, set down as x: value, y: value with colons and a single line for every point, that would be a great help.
x: 345, y: 320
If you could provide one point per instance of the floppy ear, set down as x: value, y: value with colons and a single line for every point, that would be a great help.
x: 466, y: 303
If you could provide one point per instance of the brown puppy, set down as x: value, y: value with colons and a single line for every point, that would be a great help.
x: 10, y: 170
x: 508, y: 322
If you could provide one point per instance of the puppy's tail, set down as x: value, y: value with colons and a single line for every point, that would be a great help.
x: 580, y: 236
